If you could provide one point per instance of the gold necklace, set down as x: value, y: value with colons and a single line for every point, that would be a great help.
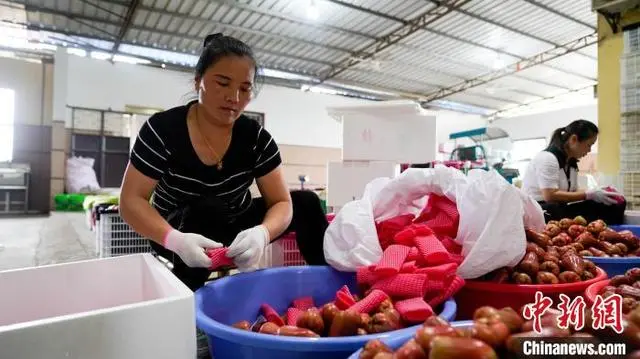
x: 217, y: 156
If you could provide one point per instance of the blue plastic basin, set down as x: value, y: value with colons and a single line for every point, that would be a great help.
x: 396, y: 341
x: 615, y: 266
x: 229, y: 300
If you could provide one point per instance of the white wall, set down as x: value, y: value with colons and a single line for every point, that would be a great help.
x: 543, y: 124
x: 25, y: 78
x: 449, y: 122
x: 293, y: 117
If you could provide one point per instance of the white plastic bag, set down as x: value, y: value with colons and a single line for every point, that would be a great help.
x: 81, y: 178
x: 491, y: 229
x: 493, y: 215
x: 351, y: 240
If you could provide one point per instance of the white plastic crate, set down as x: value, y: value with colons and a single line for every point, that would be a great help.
x: 113, y: 308
x: 629, y: 99
x: 631, y: 40
x: 630, y: 69
x: 116, y: 238
x: 283, y: 253
x: 631, y: 189
x: 630, y: 130
x: 629, y: 163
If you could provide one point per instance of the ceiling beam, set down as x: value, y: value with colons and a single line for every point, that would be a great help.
x: 444, y: 34
x: 283, y: 17
x: 245, y: 30
x: 511, y: 28
x: 126, y: 23
x: 495, y: 115
x: 100, y: 7
x: 514, y: 68
x: 369, y: 11
x: 561, y: 14
x: 231, y: 27
x: 395, y: 36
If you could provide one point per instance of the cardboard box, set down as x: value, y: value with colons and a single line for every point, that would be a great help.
x: 394, y: 131
x: 112, y: 308
x: 346, y: 180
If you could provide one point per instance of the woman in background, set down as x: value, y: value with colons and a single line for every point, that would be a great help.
x: 552, y: 178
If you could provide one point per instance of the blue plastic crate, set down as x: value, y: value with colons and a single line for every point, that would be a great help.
x: 616, y: 266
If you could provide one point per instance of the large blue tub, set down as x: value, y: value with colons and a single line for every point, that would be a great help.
x: 615, y: 266
x: 229, y: 300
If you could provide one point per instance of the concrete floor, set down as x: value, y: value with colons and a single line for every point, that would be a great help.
x: 58, y: 238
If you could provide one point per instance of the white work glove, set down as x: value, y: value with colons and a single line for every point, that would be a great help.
x: 190, y: 247
x: 248, y: 248
x: 602, y: 196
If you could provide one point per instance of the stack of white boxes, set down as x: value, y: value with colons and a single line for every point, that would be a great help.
x: 630, y: 118
x: 376, y: 138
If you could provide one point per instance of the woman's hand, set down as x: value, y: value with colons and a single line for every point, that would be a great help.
x: 248, y: 248
x: 190, y: 247
x: 602, y: 196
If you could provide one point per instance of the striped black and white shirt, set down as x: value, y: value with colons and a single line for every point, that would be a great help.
x: 163, y: 151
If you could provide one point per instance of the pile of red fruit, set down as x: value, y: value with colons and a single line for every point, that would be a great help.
x: 594, y: 239
x: 345, y: 316
x: 553, y: 266
x: 627, y: 286
x: 501, y: 334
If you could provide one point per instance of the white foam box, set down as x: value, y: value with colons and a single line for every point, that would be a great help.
x: 395, y: 131
x: 632, y: 217
x: 346, y: 180
x: 112, y: 308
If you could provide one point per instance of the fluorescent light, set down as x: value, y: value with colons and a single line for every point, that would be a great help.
x: 284, y: 75
x: 99, y: 55
x: 76, y: 51
x: 130, y: 60
x: 324, y: 90
x: 319, y: 89
x: 498, y: 63
x: 312, y: 11
x: 49, y: 47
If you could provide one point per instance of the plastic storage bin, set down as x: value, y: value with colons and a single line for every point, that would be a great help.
x: 284, y: 252
x: 396, y: 341
x: 115, y: 237
x: 615, y: 266
x: 124, y: 307
x: 592, y: 291
x: 476, y: 294
x: 228, y: 300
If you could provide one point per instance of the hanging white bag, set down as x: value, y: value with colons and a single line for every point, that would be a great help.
x: 351, y: 240
x: 491, y: 229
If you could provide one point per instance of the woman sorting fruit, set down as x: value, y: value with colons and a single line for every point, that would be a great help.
x: 186, y: 186
x: 552, y: 178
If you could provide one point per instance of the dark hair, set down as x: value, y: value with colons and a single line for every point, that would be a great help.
x: 583, y: 129
x: 216, y: 46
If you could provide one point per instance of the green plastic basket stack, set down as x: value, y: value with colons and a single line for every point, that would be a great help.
x: 69, y: 202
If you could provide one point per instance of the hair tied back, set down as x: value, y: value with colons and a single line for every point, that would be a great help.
x: 211, y: 37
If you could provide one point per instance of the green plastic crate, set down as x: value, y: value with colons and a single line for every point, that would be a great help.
x: 70, y: 202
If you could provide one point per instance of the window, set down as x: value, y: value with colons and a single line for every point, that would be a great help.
x: 523, y: 152
x: 7, y: 104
